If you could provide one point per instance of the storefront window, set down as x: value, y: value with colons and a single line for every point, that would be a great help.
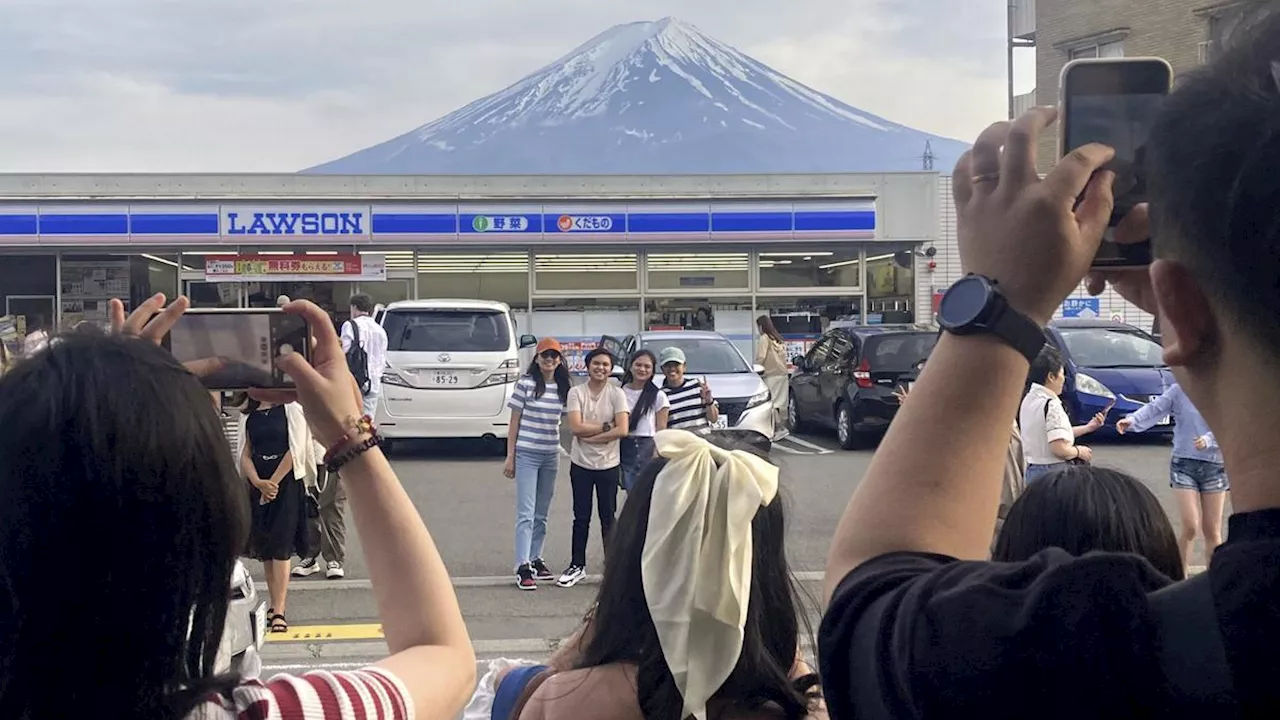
x: 802, y: 320
x: 693, y: 271
x: 890, y: 285
x: 731, y: 317
x: 834, y: 265
x: 88, y: 282
x: 579, y: 323
x: 28, y: 285
x: 576, y: 272
x: 503, y: 277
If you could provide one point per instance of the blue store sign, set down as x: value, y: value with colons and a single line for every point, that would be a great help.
x: 404, y: 222
x: 1081, y: 307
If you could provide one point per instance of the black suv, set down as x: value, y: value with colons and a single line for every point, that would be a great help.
x: 847, y: 379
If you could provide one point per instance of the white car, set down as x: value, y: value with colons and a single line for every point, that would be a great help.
x: 451, y: 367
x: 246, y: 627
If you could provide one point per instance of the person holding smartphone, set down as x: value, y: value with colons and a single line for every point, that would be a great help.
x: 1049, y: 439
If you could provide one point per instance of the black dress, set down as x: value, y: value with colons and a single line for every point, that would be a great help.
x: 280, y: 526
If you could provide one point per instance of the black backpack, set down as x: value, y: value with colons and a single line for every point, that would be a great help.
x: 358, y: 360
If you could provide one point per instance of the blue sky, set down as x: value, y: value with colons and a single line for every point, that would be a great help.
x: 277, y: 85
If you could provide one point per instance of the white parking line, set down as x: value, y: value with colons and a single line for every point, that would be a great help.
x: 810, y: 448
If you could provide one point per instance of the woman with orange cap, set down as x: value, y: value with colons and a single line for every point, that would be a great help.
x: 533, y: 455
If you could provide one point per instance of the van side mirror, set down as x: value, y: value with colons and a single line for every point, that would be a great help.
x: 617, y: 372
x: 528, y: 341
x: 757, y: 369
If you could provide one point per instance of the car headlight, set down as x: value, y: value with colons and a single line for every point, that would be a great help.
x: 1090, y: 385
x: 758, y: 399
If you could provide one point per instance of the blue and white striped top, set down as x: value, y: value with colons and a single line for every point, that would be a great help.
x: 539, y: 430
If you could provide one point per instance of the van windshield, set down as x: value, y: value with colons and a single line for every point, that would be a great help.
x: 898, y: 352
x: 447, y: 331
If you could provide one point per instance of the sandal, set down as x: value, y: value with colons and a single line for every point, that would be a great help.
x: 279, y: 624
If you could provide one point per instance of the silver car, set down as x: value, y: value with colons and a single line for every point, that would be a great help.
x: 246, y: 627
x: 739, y: 389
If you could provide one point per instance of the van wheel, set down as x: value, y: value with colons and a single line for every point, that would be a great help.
x: 850, y: 439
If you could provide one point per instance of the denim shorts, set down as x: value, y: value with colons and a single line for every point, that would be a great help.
x: 1199, y: 475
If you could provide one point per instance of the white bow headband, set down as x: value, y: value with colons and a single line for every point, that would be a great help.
x: 696, y: 565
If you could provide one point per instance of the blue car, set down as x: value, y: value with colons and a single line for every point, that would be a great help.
x: 1109, y: 364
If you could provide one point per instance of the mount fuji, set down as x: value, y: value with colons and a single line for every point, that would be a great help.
x: 653, y: 98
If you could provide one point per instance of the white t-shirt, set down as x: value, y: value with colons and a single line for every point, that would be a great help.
x: 374, y: 341
x: 645, y: 426
x: 600, y: 408
x: 1043, y: 425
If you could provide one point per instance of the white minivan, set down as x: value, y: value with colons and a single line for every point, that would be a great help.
x: 451, y: 367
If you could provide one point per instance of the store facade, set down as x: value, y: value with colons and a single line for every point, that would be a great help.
x: 575, y: 258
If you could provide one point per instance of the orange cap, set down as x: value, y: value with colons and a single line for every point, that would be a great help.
x: 548, y: 343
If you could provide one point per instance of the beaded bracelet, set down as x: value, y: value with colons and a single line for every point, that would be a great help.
x: 355, y: 427
x: 353, y: 452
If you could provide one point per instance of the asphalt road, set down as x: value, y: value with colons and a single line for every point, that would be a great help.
x: 468, y: 505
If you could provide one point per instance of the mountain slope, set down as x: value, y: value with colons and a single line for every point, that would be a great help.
x: 653, y: 98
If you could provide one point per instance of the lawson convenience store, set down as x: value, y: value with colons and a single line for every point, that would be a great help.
x: 575, y: 257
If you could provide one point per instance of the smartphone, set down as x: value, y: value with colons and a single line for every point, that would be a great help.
x: 1115, y: 101
x: 234, y: 350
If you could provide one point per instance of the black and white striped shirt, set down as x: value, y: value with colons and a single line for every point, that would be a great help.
x: 687, y: 410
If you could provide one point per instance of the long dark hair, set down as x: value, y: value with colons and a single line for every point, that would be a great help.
x: 1083, y: 509
x: 112, y: 447
x: 767, y: 328
x: 648, y: 395
x: 623, y: 630
x: 563, y: 380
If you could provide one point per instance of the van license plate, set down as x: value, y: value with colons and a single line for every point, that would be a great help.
x: 440, y: 377
x: 721, y: 423
x: 1164, y: 420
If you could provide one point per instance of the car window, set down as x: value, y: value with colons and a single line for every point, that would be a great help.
x: 1112, y: 348
x: 818, y: 353
x: 447, y: 331
x: 899, y: 352
x: 841, y: 350
x: 704, y: 356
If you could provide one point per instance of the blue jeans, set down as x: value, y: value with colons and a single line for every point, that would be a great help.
x: 1199, y: 475
x: 535, y: 486
x: 1035, y: 472
x: 635, y: 452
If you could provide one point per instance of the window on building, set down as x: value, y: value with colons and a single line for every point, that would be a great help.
x: 1111, y: 49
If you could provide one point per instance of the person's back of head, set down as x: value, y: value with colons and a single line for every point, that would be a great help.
x: 1048, y: 362
x: 623, y: 629
x: 1214, y: 190
x: 1083, y: 509
x: 363, y: 303
x: 111, y: 451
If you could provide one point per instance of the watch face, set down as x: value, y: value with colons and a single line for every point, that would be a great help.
x: 964, y: 302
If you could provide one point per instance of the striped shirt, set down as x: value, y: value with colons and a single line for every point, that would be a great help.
x: 539, y: 430
x: 319, y: 695
x: 687, y: 411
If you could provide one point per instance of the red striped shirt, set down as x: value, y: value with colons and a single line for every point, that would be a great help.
x: 370, y: 694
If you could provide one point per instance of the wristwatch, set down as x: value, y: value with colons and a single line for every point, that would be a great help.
x: 607, y: 426
x: 974, y: 305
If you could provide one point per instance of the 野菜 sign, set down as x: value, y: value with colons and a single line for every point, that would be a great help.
x: 303, y: 268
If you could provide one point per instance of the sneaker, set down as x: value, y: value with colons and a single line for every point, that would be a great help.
x: 335, y: 571
x: 524, y: 578
x: 541, y: 571
x: 572, y: 576
x: 306, y: 568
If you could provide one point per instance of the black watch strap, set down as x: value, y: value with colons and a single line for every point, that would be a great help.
x: 1019, y: 331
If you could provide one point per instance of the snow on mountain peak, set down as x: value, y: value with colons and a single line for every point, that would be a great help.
x: 635, y: 90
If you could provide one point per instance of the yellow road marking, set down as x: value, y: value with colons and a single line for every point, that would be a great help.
x: 320, y: 633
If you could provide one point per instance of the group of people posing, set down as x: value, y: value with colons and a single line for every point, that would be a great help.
x: 613, y: 429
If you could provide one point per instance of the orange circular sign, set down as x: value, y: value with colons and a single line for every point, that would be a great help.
x: 565, y: 223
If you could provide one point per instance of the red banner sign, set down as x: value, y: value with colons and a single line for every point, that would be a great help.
x: 295, y: 268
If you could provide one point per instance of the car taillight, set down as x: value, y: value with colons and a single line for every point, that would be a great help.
x: 862, y: 375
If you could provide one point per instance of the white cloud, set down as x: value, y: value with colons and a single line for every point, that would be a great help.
x: 241, y: 85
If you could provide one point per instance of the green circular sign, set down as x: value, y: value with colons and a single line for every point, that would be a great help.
x: 480, y: 223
